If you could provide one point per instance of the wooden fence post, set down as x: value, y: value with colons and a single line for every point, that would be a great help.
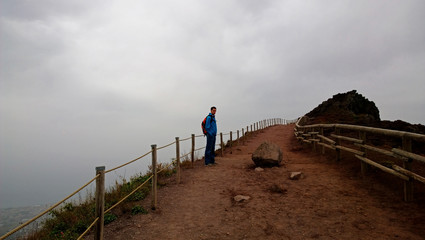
x: 178, y: 159
x: 243, y: 136
x: 192, y: 153
x: 231, y: 142
x: 100, y: 202
x: 322, y: 133
x: 313, y: 137
x: 221, y: 144
x: 237, y: 135
x: 154, y: 178
x: 408, y: 185
x: 363, y: 166
x: 337, y: 143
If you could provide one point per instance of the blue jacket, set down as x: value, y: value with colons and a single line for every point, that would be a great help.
x: 210, y: 125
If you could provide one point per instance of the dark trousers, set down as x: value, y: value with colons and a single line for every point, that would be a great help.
x: 209, y: 150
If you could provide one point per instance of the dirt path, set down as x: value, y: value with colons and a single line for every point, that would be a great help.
x: 332, y: 202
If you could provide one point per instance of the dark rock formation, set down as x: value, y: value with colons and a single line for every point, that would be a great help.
x: 350, y: 107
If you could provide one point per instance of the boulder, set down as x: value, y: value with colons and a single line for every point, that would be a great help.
x: 267, y: 155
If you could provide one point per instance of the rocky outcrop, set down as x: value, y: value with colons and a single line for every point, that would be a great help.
x: 350, y: 107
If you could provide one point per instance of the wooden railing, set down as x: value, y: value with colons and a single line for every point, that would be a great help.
x: 355, y: 139
x: 98, y: 222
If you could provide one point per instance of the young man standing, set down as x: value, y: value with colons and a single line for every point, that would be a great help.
x: 211, y: 128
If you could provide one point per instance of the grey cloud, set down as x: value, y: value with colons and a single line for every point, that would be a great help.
x: 87, y: 83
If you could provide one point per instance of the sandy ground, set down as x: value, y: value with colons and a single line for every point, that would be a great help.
x: 332, y: 201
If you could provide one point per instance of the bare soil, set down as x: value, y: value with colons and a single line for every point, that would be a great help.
x: 331, y: 201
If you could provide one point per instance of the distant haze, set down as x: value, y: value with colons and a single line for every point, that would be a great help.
x: 91, y: 83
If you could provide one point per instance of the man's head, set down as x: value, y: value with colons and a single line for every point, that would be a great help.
x: 213, y: 110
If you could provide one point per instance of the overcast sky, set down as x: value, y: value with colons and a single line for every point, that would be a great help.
x: 89, y: 83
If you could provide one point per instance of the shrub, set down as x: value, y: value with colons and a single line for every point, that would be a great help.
x: 138, y: 209
x: 109, y: 217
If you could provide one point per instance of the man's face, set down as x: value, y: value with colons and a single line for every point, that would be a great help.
x: 213, y: 111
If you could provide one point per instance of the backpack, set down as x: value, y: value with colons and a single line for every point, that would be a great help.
x: 203, y: 125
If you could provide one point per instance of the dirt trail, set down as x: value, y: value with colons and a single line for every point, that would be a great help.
x: 332, y: 201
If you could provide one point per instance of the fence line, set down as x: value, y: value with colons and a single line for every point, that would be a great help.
x: 184, y: 139
x: 315, y: 135
x: 47, y: 210
x: 100, y: 175
x: 165, y: 146
x: 125, y: 164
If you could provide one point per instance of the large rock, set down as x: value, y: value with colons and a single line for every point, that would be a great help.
x: 267, y: 155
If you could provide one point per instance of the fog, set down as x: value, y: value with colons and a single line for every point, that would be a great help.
x: 95, y: 83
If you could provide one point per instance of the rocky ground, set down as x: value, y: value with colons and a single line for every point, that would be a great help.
x: 331, y: 201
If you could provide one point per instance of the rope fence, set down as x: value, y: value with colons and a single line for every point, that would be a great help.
x: 185, y: 139
x: 131, y: 193
x: 98, y: 222
x: 132, y: 161
x: 47, y: 210
x: 165, y: 146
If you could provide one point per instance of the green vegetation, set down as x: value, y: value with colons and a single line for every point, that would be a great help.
x: 71, y: 220
x: 138, y: 209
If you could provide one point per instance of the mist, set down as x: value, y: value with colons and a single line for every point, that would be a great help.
x: 86, y: 84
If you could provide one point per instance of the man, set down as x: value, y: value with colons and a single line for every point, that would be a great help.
x: 211, y: 128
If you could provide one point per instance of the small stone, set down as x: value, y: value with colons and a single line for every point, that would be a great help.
x: 296, y: 175
x: 240, y: 198
x: 258, y: 169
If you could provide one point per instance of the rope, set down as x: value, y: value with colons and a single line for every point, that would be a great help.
x: 122, y: 200
x: 200, y: 136
x: 199, y: 149
x: 48, y: 210
x: 167, y: 166
x: 181, y: 140
x: 166, y: 146
x: 224, y: 134
x: 135, y: 190
x: 129, y: 162
x: 88, y: 229
x: 187, y: 154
